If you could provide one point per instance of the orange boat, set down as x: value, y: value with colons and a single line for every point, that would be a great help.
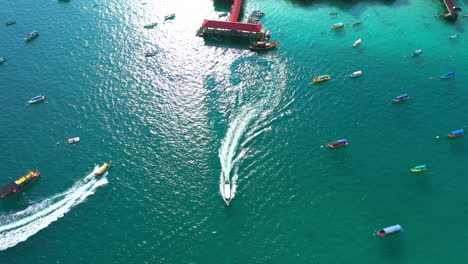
x: 338, y: 25
x: 322, y: 78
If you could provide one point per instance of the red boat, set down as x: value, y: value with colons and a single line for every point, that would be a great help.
x: 338, y: 143
x: 262, y: 45
x: 149, y: 54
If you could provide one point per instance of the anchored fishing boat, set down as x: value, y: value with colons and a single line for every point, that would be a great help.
x: 227, y: 192
x: 457, y: 133
x: 223, y: 14
x: 419, y: 168
x: 338, y: 25
x: 37, y: 99
x: 338, y: 143
x: 73, y: 140
x: 263, y: 45
x: 102, y: 169
x: 400, y: 98
x: 417, y: 52
x: 152, y: 25
x: 357, y: 24
x: 322, y: 78
x: 390, y: 230
x: 171, y: 16
x: 357, y: 42
x: 448, y: 75
x: 355, y: 74
x: 19, y: 185
x: 11, y: 22
x: 31, y: 35
x: 454, y: 36
x: 149, y: 54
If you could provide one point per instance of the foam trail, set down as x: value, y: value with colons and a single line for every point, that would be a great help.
x: 20, y: 226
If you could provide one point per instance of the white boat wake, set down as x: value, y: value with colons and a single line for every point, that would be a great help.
x: 18, y: 227
x: 252, y: 119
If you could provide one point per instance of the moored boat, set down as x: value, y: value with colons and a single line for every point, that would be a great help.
x: 152, y: 25
x: 417, y: 52
x: 258, y: 13
x: 355, y: 74
x: 448, y: 75
x: 19, y: 185
x: 322, y: 78
x: 37, y: 99
x: 102, y: 170
x: 419, y: 168
x: 223, y: 14
x: 454, y: 36
x: 263, y: 45
x: 227, y: 192
x: 171, y: 16
x: 400, y: 98
x: 357, y: 42
x: 73, y: 140
x: 338, y: 25
x: 149, y: 54
x: 338, y: 143
x: 31, y: 35
x: 357, y: 24
x: 10, y: 22
x: 390, y: 230
x: 457, y: 133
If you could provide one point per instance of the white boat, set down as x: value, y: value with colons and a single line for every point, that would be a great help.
x: 355, y: 74
x: 227, y: 192
x: 357, y: 42
x: 37, y: 99
x: 73, y: 140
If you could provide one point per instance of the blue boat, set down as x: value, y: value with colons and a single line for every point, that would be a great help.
x: 448, y: 75
x: 417, y: 52
x: 457, y: 133
x: 37, y: 99
x: 31, y: 35
x: 401, y: 98
x: 390, y: 230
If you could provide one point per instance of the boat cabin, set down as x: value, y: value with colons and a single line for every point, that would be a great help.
x: 401, y: 98
x: 390, y: 230
x: 457, y: 133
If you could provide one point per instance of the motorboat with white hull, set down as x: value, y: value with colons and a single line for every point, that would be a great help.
x: 227, y: 192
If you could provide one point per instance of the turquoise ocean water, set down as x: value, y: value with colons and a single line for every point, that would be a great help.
x: 175, y: 123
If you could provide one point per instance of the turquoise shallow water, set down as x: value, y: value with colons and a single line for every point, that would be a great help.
x: 175, y: 123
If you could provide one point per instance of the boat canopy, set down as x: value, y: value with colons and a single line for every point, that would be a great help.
x: 322, y: 76
x: 420, y: 167
x: 36, y: 97
x: 458, y: 132
x: 342, y: 141
x: 448, y: 74
x: 401, y: 96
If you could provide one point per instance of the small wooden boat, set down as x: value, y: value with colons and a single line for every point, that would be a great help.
x: 419, y: 168
x: 338, y: 25
x: 10, y: 22
x: 37, y: 99
x: 2, y: 60
x: 322, y: 78
x: 263, y: 45
x: 448, y: 75
x: 73, y: 140
x: 357, y: 24
x: 390, y: 230
x: 149, y: 54
x: 355, y: 74
x: 338, y: 143
x: 31, y: 35
x: 457, y: 133
x: 454, y: 36
x: 417, y: 52
x: 152, y: 25
x: 400, y: 98
x: 357, y: 42
x: 19, y: 185
x: 333, y: 14
x: 171, y: 16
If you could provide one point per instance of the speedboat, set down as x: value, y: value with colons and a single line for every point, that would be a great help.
x: 171, y: 16
x: 37, y: 99
x: 400, y: 98
x: 355, y: 74
x: 417, y: 52
x: 19, y: 185
x: 102, y: 170
x: 263, y: 45
x: 11, y: 22
x: 227, y: 192
x: 357, y: 24
x: 419, y: 168
x: 31, y: 35
x: 390, y: 230
x: 2, y: 59
x: 322, y: 78
x: 338, y: 25
x: 152, y: 25
x: 448, y: 75
x: 338, y: 143
x: 149, y: 54
x: 357, y: 42
x: 457, y: 133
x: 73, y: 140
x: 454, y: 36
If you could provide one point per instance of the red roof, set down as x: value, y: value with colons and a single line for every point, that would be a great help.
x: 232, y: 25
x: 235, y: 10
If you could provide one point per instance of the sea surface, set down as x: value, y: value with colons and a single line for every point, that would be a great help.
x: 175, y: 124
